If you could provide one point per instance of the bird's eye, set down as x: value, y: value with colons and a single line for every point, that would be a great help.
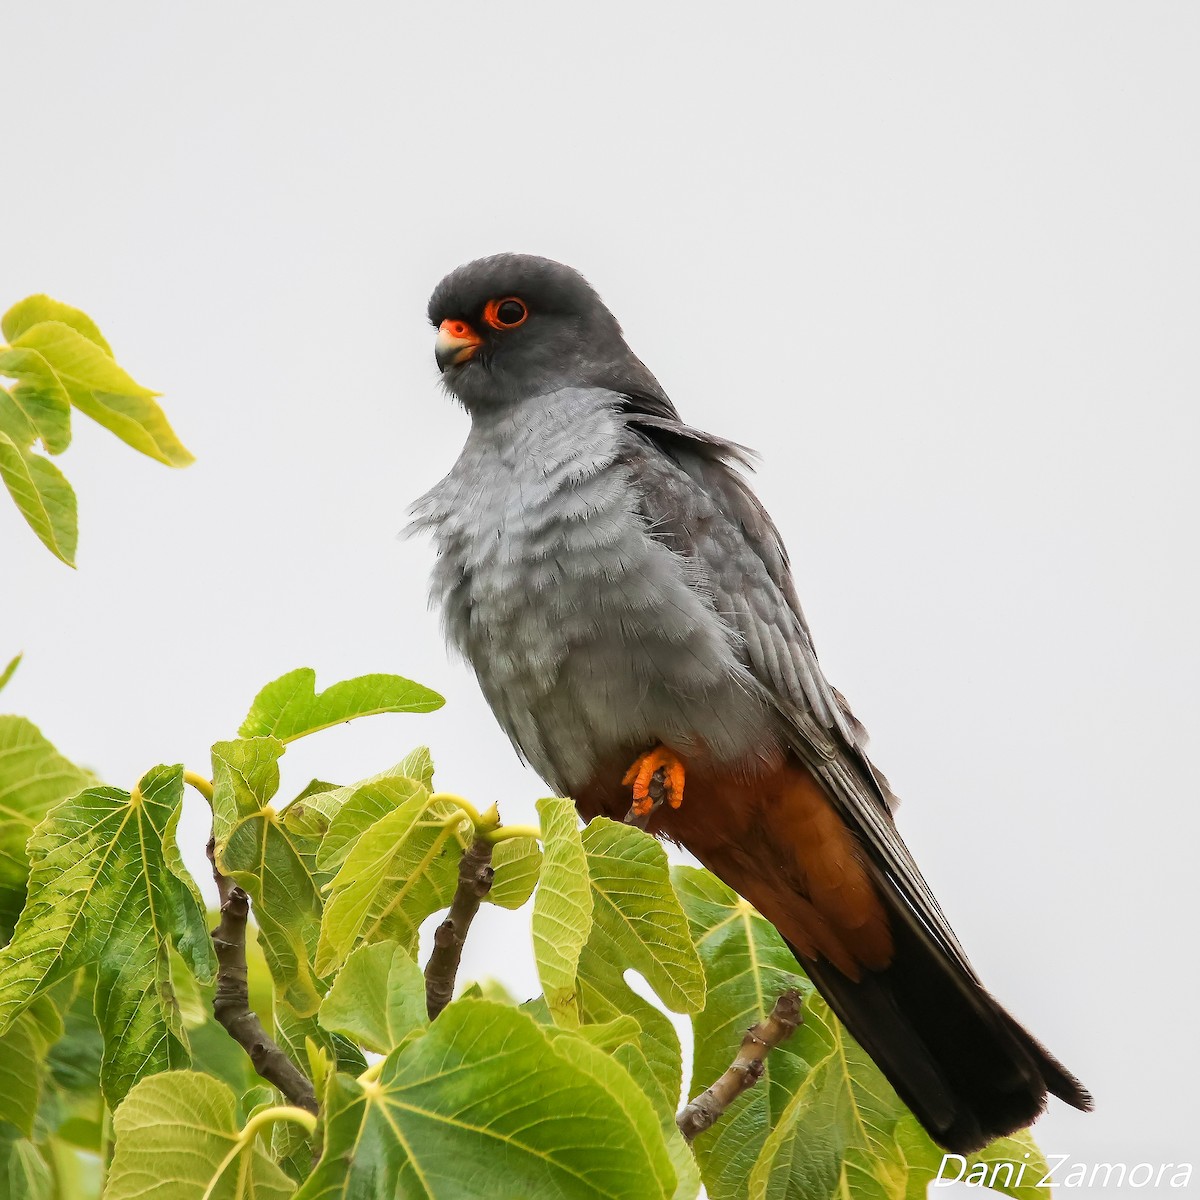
x: 507, y: 313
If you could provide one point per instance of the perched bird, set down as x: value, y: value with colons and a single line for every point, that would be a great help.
x: 628, y: 608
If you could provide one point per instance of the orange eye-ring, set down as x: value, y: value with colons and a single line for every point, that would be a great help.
x: 506, y: 313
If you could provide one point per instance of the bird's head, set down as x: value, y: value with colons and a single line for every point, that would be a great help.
x: 515, y: 325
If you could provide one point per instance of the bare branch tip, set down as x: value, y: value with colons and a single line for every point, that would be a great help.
x: 231, y: 1001
x: 747, y: 1068
x: 475, y: 875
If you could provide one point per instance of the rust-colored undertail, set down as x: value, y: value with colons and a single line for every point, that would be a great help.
x: 965, y: 1067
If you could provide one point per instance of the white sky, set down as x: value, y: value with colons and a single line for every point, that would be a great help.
x: 938, y: 262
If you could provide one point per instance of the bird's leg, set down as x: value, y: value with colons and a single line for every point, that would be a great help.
x: 655, y: 776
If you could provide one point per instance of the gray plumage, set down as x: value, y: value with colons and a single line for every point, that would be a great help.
x: 586, y: 629
x: 615, y: 584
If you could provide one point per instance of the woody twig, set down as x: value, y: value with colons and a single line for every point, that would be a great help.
x: 474, y: 883
x: 746, y: 1069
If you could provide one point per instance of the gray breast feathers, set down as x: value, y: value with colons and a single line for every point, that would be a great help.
x: 589, y: 634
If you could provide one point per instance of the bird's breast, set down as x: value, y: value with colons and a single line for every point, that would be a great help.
x: 587, y: 634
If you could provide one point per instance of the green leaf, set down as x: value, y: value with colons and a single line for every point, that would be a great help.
x: 746, y: 965
x: 840, y: 1130
x: 107, y: 886
x: 177, y: 1138
x: 104, y: 391
x: 418, y: 764
x: 33, y: 310
x: 401, y: 870
x: 24, y: 1173
x: 366, y: 803
x: 638, y: 922
x: 562, y: 909
x: 293, y: 1150
x: 802, y: 1155
x: 344, y: 814
x: 33, y: 778
x: 9, y: 672
x: 609, y: 1036
x: 38, y: 405
x: 316, y: 809
x: 608, y: 1071
x: 378, y: 998
x: 292, y: 707
x: 517, y: 863
x: 215, y: 1053
x: 687, y: 1172
x: 486, y: 1095
x: 275, y: 866
x: 256, y: 1098
x: 489, y: 989
x: 75, y: 1058
x: 636, y: 910
x: 22, y: 1065
x: 300, y: 1036
x: 43, y: 496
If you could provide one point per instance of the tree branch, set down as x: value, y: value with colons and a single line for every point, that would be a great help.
x: 746, y: 1069
x: 231, y: 1004
x: 474, y: 883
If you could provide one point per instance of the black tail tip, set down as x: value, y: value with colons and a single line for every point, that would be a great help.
x: 1061, y: 1083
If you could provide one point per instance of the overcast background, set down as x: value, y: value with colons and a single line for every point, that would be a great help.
x: 939, y: 262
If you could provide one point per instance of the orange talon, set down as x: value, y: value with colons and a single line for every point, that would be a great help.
x: 642, y: 772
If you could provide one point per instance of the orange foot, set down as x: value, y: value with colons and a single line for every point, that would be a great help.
x: 668, y: 767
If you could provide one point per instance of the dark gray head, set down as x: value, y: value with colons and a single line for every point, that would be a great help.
x: 516, y: 325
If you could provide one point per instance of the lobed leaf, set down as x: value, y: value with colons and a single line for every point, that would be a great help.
x: 378, y: 998
x: 638, y: 920
x: 622, y: 1038
x: 291, y: 707
x: 177, y: 1138
x: 276, y: 867
x: 400, y: 871
x: 43, y: 496
x: 489, y: 989
x: 562, y: 909
x: 803, y: 1153
x: 106, y: 886
x: 304, y: 1038
x: 487, y: 1095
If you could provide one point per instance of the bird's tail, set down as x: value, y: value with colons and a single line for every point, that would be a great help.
x: 966, y: 1068
x: 888, y: 967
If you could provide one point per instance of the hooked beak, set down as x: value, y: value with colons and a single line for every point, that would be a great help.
x: 456, y: 343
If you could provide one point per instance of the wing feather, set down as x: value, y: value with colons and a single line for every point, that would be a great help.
x: 697, y: 503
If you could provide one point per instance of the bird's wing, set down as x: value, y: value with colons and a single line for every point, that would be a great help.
x: 697, y: 504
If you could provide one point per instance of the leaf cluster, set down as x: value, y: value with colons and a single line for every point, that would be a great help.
x: 108, y: 977
x: 58, y: 361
